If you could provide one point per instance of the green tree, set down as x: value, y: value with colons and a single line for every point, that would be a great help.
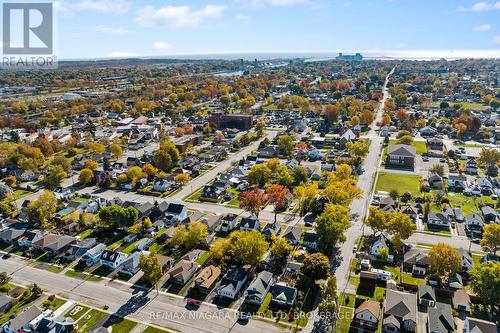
x: 140, y: 226
x: 489, y: 157
x: 485, y: 282
x: 190, y: 236
x: 437, y: 168
x: 491, y: 237
x: 358, y: 149
x: 286, y: 145
x: 114, y: 216
x: 405, y: 140
x: 152, y: 268
x: 315, y: 267
x: 247, y: 247
x: 444, y: 260
x: 331, y: 226
x: 43, y: 209
x: 377, y: 220
x: 280, y: 249
x: 300, y: 175
x: 54, y: 177
x: 63, y: 162
x: 259, y: 175
x: 86, y: 176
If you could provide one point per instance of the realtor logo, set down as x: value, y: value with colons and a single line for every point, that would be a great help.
x: 27, y: 28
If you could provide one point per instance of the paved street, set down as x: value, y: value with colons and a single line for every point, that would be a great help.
x: 168, y: 311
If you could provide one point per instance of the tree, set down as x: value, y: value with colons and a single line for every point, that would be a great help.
x: 300, y: 175
x: 377, y: 220
x: 331, y: 226
x: 182, y: 178
x: 42, y: 209
x: 401, y: 225
x: 259, y: 175
x: 10, y: 181
x: 491, y: 237
x: 489, y: 157
x: 384, y: 252
x: 140, y: 226
x: 280, y: 249
x: 166, y: 157
x: 247, y: 247
x: 315, y: 267
x: 91, y: 164
x: 190, y: 236
x: 116, y: 150
x: 358, y: 149
x: 63, y: 162
x: 253, y: 201
x: 54, y: 177
x: 152, y: 268
x: 134, y: 173
x: 259, y: 128
x: 150, y: 170
x: 276, y: 195
x: 286, y: 145
x: 405, y: 140
x: 114, y: 216
x: 437, y: 168
x: 328, y: 306
x: 86, y: 176
x: 305, y: 194
x: 444, y: 260
x: 485, y: 282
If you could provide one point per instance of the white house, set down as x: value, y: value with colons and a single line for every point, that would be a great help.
x: 380, y: 242
x: 93, y: 255
x: 228, y: 222
x: 438, y: 220
x: 381, y: 274
x: 232, y: 283
x: 112, y: 259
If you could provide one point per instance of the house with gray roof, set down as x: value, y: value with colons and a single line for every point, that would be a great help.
x: 283, y: 296
x: 401, y: 156
x: 258, y: 288
x: 400, y: 312
x: 440, y: 319
x: 232, y: 282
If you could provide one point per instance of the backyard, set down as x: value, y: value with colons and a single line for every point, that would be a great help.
x: 402, y: 183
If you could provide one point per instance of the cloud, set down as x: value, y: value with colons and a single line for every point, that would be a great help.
x: 243, y: 17
x: 108, y: 6
x: 177, y: 16
x: 258, y: 4
x: 111, y: 30
x: 103, y: 6
x: 482, y: 27
x: 480, y: 7
x: 161, y: 47
x: 121, y: 54
x: 496, y: 40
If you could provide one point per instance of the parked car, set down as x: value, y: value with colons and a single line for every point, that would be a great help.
x: 244, y: 317
x: 193, y: 302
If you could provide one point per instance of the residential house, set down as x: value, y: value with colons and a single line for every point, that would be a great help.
x: 228, y: 222
x: 426, y: 296
x: 270, y: 230
x: 182, y: 272
x: 5, y: 303
x: 53, y: 243
x: 455, y: 281
x: 471, y: 167
x: 461, y: 300
x: 438, y: 220
x: 22, y: 321
x: 11, y: 235
x: 310, y: 240
x: 283, y: 296
x: 176, y: 212
x: 206, y: 280
x: 93, y: 255
x: 474, y: 325
x: 78, y: 249
x: 211, y: 193
x: 474, y: 223
x: 400, y: 312
x: 130, y: 266
x: 268, y: 152
x: 457, y: 183
x: 380, y: 241
x: 232, y: 282
x: 367, y: 315
x: 292, y: 234
x: 111, y: 259
x: 143, y: 244
x: 212, y: 222
x: 258, y: 288
x: 435, y: 144
x: 401, y: 156
x: 163, y: 186
x: 467, y: 262
x: 249, y: 223
x: 410, y: 210
x: 489, y: 214
x: 416, y: 261
x: 440, y: 319
x: 435, y: 181
x: 29, y: 237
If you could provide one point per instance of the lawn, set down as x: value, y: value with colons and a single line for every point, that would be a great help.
x: 86, y: 323
x: 468, y: 204
x: 440, y: 231
x: 467, y: 105
x: 151, y: 329
x: 56, y: 303
x: 409, y: 279
x: 85, y: 233
x: 77, y: 311
x: 124, y: 325
x: 402, y: 183
x: 344, y: 320
x: 130, y: 247
x: 204, y: 258
x: 79, y: 275
x: 18, y: 307
x: 54, y: 268
x: 420, y: 146
x: 21, y: 193
x: 195, y: 196
x: 265, y: 304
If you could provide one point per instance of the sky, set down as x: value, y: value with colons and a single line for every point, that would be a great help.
x: 123, y: 28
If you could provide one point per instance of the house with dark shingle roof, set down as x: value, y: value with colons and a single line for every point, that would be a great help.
x: 182, y: 272
x: 440, y: 319
x: 401, y: 156
x: 416, y: 261
x: 426, y: 295
x: 258, y: 288
x: 367, y: 315
x: 112, y: 259
x: 292, y: 234
x: 400, y: 312
x: 474, y: 325
x: 283, y: 296
x: 232, y: 282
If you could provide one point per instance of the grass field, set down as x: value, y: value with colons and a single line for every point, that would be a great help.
x: 75, y: 313
x: 86, y: 323
x: 124, y: 325
x: 420, y: 146
x: 151, y: 329
x: 204, y: 258
x: 402, y: 183
x: 56, y: 303
x: 467, y: 105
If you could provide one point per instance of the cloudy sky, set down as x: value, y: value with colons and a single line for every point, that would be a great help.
x: 107, y: 28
